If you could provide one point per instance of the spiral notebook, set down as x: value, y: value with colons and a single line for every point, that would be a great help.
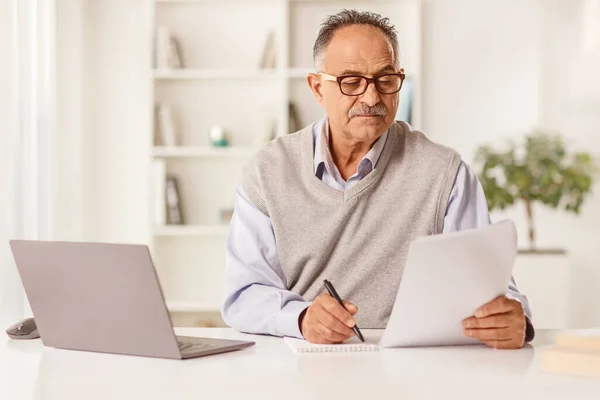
x: 300, y: 346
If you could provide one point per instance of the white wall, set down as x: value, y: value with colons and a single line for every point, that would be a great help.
x: 104, y: 119
x: 118, y: 108
x: 571, y: 104
x: 481, y: 70
x: 70, y: 169
x: 495, y: 69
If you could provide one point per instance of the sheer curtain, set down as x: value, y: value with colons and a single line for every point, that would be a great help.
x: 27, y: 137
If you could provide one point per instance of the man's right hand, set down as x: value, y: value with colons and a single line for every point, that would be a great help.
x: 325, y: 321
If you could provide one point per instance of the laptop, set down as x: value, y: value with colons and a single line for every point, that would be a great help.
x: 103, y: 298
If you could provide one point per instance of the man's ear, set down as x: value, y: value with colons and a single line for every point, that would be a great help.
x: 315, y: 84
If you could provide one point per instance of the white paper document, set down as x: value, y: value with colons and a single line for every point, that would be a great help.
x: 446, y: 278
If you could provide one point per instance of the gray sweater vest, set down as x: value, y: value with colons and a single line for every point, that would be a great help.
x: 357, y: 239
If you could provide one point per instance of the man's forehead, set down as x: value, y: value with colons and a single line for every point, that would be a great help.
x: 353, y: 46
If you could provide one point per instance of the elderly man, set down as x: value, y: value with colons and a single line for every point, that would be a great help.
x: 343, y: 198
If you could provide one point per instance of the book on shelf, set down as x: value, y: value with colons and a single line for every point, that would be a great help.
x: 159, y: 207
x: 167, y: 49
x: 174, y: 214
x: 164, y: 127
x: 269, y: 55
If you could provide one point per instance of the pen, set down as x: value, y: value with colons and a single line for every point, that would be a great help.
x: 334, y: 294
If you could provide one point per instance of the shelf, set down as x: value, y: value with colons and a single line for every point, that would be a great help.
x: 339, y: 1
x: 190, y: 306
x: 209, y: 1
x: 201, y: 151
x: 199, y: 74
x: 299, y: 73
x: 191, y: 230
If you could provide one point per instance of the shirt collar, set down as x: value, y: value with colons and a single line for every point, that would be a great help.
x: 322, y: 152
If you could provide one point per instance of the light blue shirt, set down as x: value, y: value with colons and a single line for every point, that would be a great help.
x: 256, y: 300
x: 325, y: 168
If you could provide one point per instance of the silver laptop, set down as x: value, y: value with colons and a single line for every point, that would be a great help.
x: 103, y: 298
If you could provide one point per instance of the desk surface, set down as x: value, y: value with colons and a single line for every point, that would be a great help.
x: 269, y: 370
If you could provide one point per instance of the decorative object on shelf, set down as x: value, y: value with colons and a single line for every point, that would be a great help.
x: 174, y: 214
x: 294, y: 124
x: 217, y: 137
x: 226, y: 214
x: 269, y: 55
x: 404, y: 112
x: 167, y: 49
x: 540, y: 170
x: 164, y: 128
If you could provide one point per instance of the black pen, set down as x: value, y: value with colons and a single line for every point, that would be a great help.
x: 334, y: 294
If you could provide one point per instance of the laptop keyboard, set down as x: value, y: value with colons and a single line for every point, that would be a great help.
x: 186, y: 346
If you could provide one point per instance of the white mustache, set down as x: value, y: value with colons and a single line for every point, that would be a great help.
x: 363, y: 110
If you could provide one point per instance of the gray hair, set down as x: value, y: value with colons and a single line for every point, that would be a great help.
x: 344, y: 18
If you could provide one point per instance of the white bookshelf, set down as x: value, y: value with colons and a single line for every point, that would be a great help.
x: 201, y: 151
x: 221, y: 84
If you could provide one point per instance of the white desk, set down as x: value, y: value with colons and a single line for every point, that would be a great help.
x: 269, y: 370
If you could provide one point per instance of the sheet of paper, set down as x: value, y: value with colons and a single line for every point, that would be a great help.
x: 446, y: 278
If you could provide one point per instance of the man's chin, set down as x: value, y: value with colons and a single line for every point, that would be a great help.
x: 368, y: 128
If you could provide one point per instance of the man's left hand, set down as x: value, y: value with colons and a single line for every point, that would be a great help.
x: 499, y: 324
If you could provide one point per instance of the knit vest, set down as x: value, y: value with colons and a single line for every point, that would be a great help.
x: 358, y: 238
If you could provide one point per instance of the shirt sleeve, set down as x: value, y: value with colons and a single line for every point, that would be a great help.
x: 467, y: 209
x: 256, y: 298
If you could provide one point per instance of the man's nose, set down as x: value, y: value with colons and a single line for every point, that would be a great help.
x: 371, y: 96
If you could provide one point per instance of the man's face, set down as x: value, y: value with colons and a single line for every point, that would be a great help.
x: 357, y: 50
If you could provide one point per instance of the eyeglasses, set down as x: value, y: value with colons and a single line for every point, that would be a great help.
x: 355, y: 85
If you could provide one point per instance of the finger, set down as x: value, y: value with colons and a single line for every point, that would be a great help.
x: 332, y: 322
x: 493, y: 321
x: 499, y: 305
x: 502, y: 344
x: 330, y: 334
x: 334, y: 308
x: 352, y: 309
x: 489, y: 334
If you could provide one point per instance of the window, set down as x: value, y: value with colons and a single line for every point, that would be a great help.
x: 27, y: 35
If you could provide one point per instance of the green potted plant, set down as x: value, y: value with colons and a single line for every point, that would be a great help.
x: 540, y: 169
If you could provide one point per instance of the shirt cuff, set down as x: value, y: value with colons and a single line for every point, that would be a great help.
x: 287, y: 318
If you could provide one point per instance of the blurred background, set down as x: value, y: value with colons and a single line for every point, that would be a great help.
x: 130, y: 120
